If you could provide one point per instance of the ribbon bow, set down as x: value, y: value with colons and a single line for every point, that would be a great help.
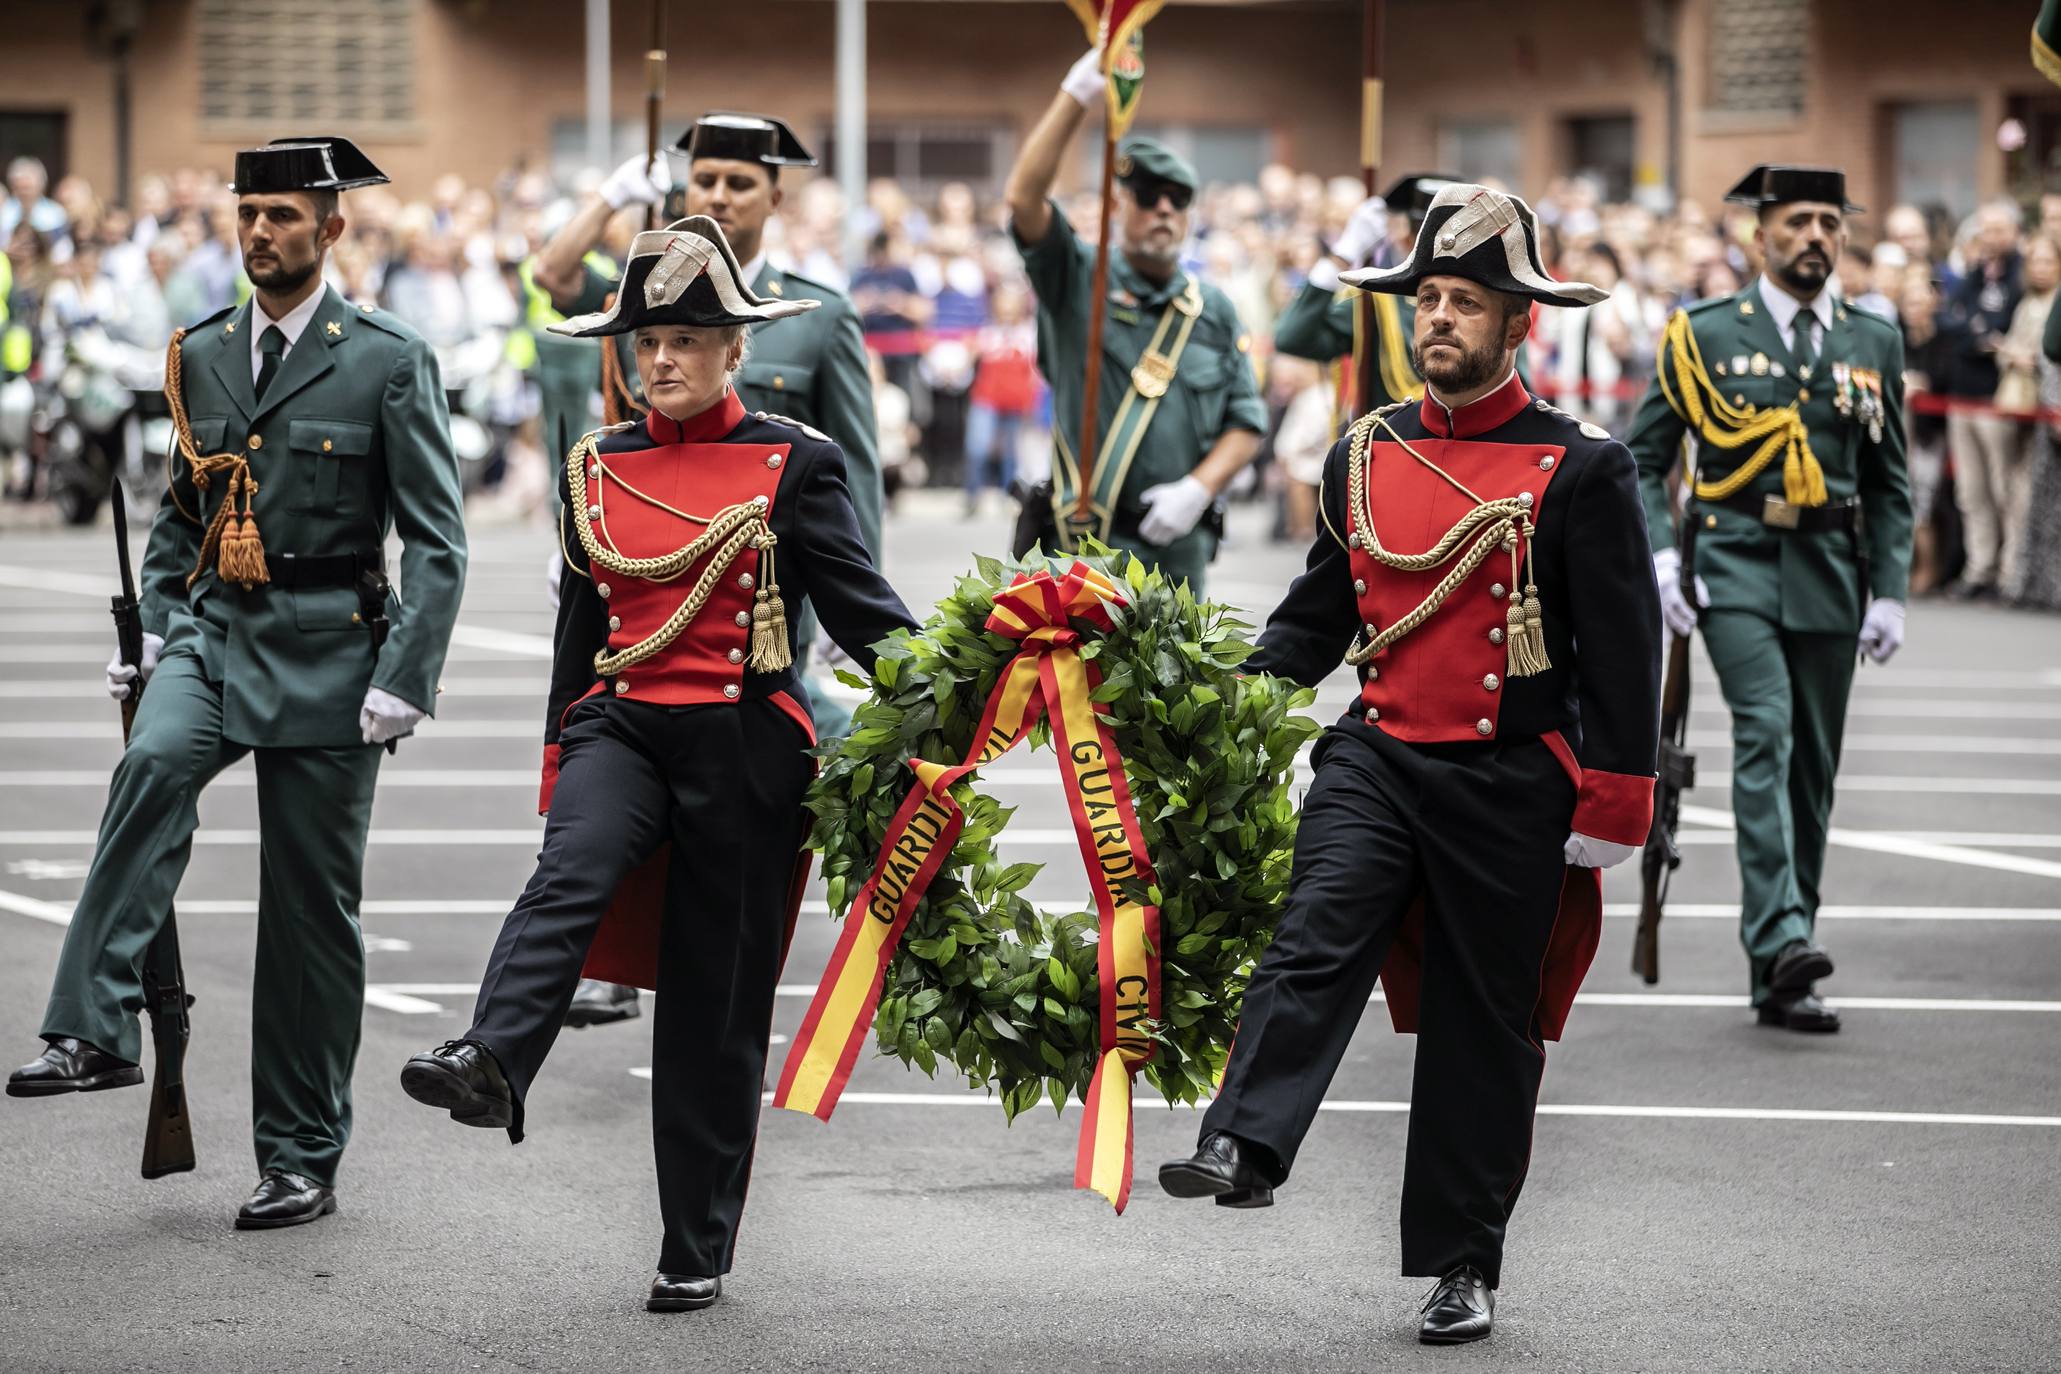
x: 1047, y: 616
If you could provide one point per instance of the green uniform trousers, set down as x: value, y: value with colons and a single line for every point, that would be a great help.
x: 308, y: 993
x: 1187, y: 559
x: 1787, y: 692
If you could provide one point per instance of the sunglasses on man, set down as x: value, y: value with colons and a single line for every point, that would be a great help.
x: 1148, y: 191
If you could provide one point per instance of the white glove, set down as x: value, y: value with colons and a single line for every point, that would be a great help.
x: 1586, y: 851
x: 1172, y: 508
x: 637, y: 182
x: 1084, y: 79
x: 120, y: 674
x: 554, y: 573
x: 385, y: 716
x: 1882, y: 631
x: 1363, y: 232
x: 1674, y: 607
x: 1324, y: 273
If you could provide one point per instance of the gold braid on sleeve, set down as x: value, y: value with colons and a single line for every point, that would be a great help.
x: 724, y: 537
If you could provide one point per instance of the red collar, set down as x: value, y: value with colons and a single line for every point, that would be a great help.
x: 1497, y: 408
x: 701, y: 428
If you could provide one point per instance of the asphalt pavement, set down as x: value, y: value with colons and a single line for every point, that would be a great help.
x: 1704, y: 1194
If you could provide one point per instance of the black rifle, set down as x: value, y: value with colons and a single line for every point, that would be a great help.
x: 1677, y: 774
x: 168, y: 1135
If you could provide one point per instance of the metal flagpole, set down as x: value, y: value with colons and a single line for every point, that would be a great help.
x: 654, y: 95
x: 1368, y: 338
x: 1098, y: 292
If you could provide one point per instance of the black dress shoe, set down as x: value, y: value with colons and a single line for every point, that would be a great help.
x: 682, y: 1293
x: 1799, y: 1012
x: 464, y: 1078
x: 596, y: 1003
x: 284, y: 1199
x: 72, y: 1066
x: 1800, y: 964
x: 1219, y: 1168
x: 1461, y: 1307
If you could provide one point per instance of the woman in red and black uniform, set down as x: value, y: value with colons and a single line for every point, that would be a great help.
x: 674, y: 756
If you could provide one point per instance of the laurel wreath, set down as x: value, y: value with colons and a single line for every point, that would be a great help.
x: 987, y: 983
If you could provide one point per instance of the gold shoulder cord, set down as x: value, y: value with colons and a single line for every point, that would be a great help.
x: 231, y: 541
x: 728, y: 533
x: 1722, y: 425
x: 1490, y: 525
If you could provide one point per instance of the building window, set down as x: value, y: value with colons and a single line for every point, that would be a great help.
x: 1600, y: 148
x: 1757, y: 51
x: 344, y: 66
x: 1480, y: 150
x: 1937, y: 145
x: 925, y: 156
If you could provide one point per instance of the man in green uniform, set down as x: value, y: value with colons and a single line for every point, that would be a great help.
x: 1796, y: 533
x: 1178, y: 411
x: 810, y: 368
x: 1322, y: 322
x: 326, y: 423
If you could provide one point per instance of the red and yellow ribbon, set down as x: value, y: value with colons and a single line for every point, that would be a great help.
x: 1048, y: 677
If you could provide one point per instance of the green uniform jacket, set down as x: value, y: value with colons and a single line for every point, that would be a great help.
x: 351, y: 443
x: 811, y: 368
x: 1212, y: 390
x: 568, y: 370
x: 1803, y: 582
x: 1318, y: 325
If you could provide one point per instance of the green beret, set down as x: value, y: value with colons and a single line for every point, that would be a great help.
x: 1150, y: 158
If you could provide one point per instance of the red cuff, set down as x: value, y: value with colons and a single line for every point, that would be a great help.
x: 550, y: 782
x: 1614, y: 806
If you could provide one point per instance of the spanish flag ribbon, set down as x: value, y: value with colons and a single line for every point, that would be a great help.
x: 1048, y: 677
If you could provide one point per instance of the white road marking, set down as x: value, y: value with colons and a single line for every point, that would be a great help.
x: 504, y: 641
x: 2017, y: 745
x: 1885, y: 842
x: 1974, y: 839
x: 230, y: 838
x: 243, y: 775
x: 36, y: 909
x: 386, y: 999
x: 48, y: 870
x: 51, y: 580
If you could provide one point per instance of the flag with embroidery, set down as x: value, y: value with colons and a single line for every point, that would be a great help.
x: 1118, y: 27
x: 2046, y: 41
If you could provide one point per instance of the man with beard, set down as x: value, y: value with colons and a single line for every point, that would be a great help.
x: 1795, y: 544
x: 1483, y: 564
x: 810, y: 368
x: 326, y: 421
x: 1178, y: 412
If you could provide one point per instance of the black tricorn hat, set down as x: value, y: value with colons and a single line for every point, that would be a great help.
x: 1485, y: 236
x: 683, y: 274
x: 1412, y: 195
x: 744, y: 138
x: 306, y: 162
x: 1776, y: 185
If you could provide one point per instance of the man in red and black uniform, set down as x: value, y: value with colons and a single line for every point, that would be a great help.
x: 675, y: 743
x: 1484, y: 564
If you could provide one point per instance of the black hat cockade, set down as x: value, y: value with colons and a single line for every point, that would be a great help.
x: 1482, y: 235
x: 684, y: 274
x: 744, y: 138
x: 1770, y: 184
x: 304, y: 163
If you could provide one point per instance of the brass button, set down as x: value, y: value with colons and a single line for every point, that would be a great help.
x: 1496, y: 635
x: 593, y: 512
x: 1739, y: 398
x: 779, y: 382
x: 737, y: 655
x: 1359, y: 586
x: 1491, y: 682
x: 615, y: 622
x: 1353, y: 540
x: 1482, y: 727
x: 1373, y: 714
x: 1373, y: 673
x: 327, y: 446
x: 730, y: 690
x: 1524, y: 499
x: 1496, y: 590
x: 601, y: 590
x: 762, y: 501
x: 1371, y: 631
x: 1803, y: 394
x: 257, y: 441
x: 743, y: 619
x: 357, y: 619
x: 1546, y: 463
x: 621, y: 686
x: 745, y: 581
x: 594, y: 473
x: 772, y: 460
x: 1710, y: 522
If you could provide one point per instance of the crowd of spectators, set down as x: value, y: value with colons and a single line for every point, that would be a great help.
x: 940, y: 289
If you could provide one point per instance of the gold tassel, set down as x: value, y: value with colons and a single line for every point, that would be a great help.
x: 1527, y: 636
x: 243, y: 553
x: 1803, y: 481
x: 769, y: 650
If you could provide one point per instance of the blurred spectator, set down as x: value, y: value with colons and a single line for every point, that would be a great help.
x: 898, y: 431
x: 425, y: 292
x: 891, y: 307
x: 27, y: 181
x: 1300, y: 442
x: 1856, y: 273
x: 2018, y: 397
x: 1928, y: 357
x: 1984, y: 445
x: 1600, y: 358
x: 1005, y: 392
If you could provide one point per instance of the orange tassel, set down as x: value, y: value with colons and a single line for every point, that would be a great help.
x: 243, y: 552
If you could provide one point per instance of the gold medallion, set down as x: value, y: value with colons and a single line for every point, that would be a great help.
x: 1760, y: 364
x: 1151, y: 375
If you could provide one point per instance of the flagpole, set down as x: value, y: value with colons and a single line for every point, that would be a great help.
x: 654, y: 95
x: 1367, y: 357
x: 1098, y: 292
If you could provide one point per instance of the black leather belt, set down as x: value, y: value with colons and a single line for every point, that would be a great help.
x: 1774, y: 511
x: 322, y: 569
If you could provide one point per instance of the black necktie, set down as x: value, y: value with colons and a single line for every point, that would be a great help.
x: 1805, y: 349
x: 271, y: 348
